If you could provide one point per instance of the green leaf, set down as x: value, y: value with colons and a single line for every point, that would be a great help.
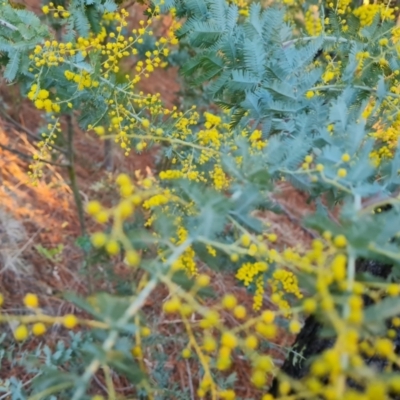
x: 243, y: 80
x: 93, y: 351
x: 80, y: 302
x: 126, y: 366
x: 51, y: 377
x: 81, y: 22
x: 212, y: 209
x: 84, y: 243
x: 186, y: 282
x: 12, y: 67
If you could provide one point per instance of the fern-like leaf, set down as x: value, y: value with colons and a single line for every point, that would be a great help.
x: 11, y: 69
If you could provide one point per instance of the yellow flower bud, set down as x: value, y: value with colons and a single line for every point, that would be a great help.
x: 38, y: 329
x: 31, y: 300
x: 21, y: 333
x: 70, y: 321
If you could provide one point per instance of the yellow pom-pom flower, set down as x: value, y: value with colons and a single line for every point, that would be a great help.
x: 112, y: 247
x: 246, y: 240
x: 310, y: 94
x: 229, y: 340
x: 346, y: 157
x: 123, y: 179
x: 239, y: 312
x: 99, y: 130
x: 203, y: 280
x: 21, y: 333
x: 136, y: 351
x: 38, y: 329
x: 99, y: 239
x: 294, y: 326
x: 186, y: 353
x: 251, y: 342
x: 258, y: 378
x: 172, y: 305
x: 209, y: 344
x: 132, y: 258
x: 93, y: 207
x: 340, y: 241
x: 31, y: 300
x: 145, y: 331
x: 309, y: 306
x: 268, y: 316
x: 229, y: 301
x: 70, y: 321
x: 227, y: 395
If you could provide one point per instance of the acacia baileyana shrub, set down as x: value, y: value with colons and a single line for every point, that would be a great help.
x: 313, y: 102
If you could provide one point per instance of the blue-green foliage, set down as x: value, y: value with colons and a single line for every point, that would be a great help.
x: 20, y: 31
x: 257, y: 68
x: 85, y: 16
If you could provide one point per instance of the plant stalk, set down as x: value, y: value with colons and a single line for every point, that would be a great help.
x: 72, y: 174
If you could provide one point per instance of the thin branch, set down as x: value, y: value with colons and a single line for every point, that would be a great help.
x: 23, y: 385
x: 72, y: 174
x: 190, y: 381
x: 309, y: 38
x: 30, y: 158
x: 18, y: 125
x: 109, y: 382
x: 8, y: 25
x: 27, y: 131
x: 51, y: 390
x: 108, y: 344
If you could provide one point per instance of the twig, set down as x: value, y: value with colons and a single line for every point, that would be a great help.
x: 72, y: 174
x: 24, y: 246
x: 351, y: 273
x: 97, y: 380
x: 190, y: 381
x: 109, y: 382
x: 2, y: 397
x: 113, y: 336
x: 30, y: 158
x: 108, y: 155
x: 53, y: 389
x: 310, y: 38
x: 27, y: 131
x: 296, y: 221
x: 8, y: 25
x: 18, y: 125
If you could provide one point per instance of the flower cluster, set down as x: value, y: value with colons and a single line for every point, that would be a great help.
x: 38, y: 323
x: 313, y: 23
x: 387, y: 140
x: 154, y: 223
x: 41, y: 99
x: 45, y: 147
x: 115, y: 46
x: 55, y: 11
x: 132, y: 196
x: 243, y: 6
x: 367, y: 12
x: 284, y: 282
x: 187, y: 261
